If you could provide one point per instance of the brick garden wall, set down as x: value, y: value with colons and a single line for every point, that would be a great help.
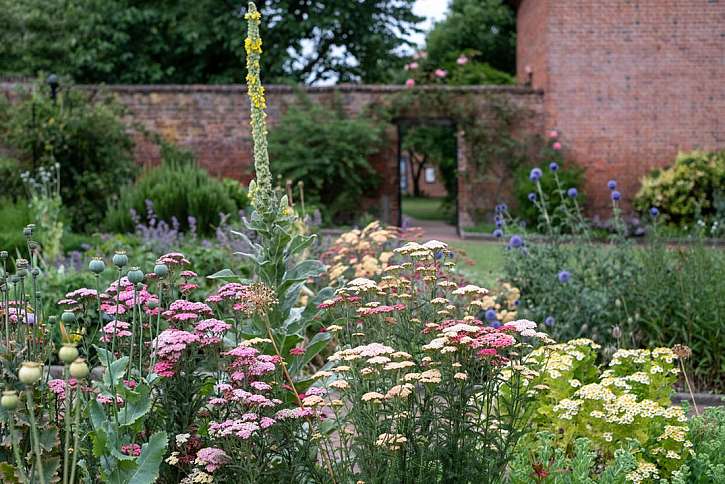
x: 212, y: 121
x: 628, y: 82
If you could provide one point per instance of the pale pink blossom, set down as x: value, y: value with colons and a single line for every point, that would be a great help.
x: 410, y: 83
x: 462, y: 60
x: 440, y: 73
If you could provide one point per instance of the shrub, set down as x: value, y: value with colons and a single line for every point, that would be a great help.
x: 328, y: 151
x: 85, y: 136
x: 12, y: 184
x: 688, y: 190
x: 179, y: 193
x: 14, y: 216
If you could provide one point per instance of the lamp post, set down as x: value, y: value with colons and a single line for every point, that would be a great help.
x: 53, y: 83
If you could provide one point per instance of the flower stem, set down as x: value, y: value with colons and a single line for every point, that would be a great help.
x: 66, y: 419
x: 34, y: 435
x: 76, y: 434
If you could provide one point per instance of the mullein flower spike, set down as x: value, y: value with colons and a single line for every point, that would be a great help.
x: 261, y: 187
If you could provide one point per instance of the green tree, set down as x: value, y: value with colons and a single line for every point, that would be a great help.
x: 197, y: 41
x: 328, y: 151
x: 484, y: 29
x: 431, y: 146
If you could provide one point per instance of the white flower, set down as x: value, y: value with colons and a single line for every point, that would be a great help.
x: 182, y: 438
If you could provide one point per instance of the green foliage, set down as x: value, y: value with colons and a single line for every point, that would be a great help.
x: 178, y: 189
x: 688, y: 190
x: 543, y: 462
x: 14, y: 216
x: 328, y: 151
x: 485, y: 29
x: 85, y: 137
x: 707, y: 433
x: 432, y: 145
x: 628, y: 400
x: 170, y: 41
x: 12, y: 184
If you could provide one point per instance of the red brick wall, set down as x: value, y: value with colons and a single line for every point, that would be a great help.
x: 213, y: 122
x: 628, y: 82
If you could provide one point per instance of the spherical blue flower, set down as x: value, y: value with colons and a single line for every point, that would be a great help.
x: 564, y: 276
x: 495, y: 324
x: 553, y: 166
x: 612, y: 185
x: 517, y: 302
x: 532, y: 197
x: 498, y: 233
x: 549, y: 321
x: 516, y: 241
x: 499, y: 223
x: 536, y: 174
x: 490, y: 315
x: 616, y: 196
x: 654, y: 211
x: 572, y: 192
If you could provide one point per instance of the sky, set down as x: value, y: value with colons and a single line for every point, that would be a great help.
x: 432, y: 10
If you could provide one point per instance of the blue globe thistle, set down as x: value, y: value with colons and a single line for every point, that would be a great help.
x: 572, y: 193
x: 532, y: 197
x: 616, y: 196
x: 549, y: 321
x: 564, y: 276
x: 654, y: 211
x: 536, y: 174
x: 612, y: 184
x: 499, y: 223
x: 553, y: 166
x: 490, y: 315
x: 516, y: 241
x: 495, y: 324
x: 498, y: 233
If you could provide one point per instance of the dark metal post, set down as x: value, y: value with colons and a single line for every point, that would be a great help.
x: 53, y: 83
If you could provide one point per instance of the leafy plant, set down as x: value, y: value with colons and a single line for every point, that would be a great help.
x: 180, y: 193
x: 707, y: 433
x: 543, y: 462
x: 686, y: 191
x: 329, y: 152
x: 85, y: 136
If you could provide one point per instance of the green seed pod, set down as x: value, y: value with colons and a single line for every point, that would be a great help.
x: 120, y: 259
x: 68, y: 353
x: 9, y: 400
x: 135, y: 275
x: 97, y: 265
x: 68, y: 317
x: 161, y: 270
x: 79, y: 369
x: 30, y: 372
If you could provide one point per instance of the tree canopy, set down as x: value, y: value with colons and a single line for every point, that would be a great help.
x: 197, y: 41
x: 486, y: 29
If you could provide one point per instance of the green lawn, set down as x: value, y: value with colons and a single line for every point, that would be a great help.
x: 487, y: 258
x: 425, y: 209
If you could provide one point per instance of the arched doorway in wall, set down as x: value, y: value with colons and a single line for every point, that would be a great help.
x: 428, y: 175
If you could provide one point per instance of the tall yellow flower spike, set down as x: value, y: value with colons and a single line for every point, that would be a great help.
x: 261, y: 187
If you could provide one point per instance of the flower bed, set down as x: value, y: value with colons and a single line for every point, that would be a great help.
x: 381, y: 365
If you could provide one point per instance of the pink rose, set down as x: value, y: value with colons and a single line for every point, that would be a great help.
x: 556, y: 146
x: 410, y: 82
x: 440, y: 73
x: 462, y: 60
x: 553, y: 134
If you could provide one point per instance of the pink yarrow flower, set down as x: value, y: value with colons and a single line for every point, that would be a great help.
x: 212, y: 458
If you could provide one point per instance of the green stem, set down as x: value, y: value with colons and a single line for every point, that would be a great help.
x: 66, y: 419
x: 16, y: 450
x: 34, y: 434
x: 76, y: 434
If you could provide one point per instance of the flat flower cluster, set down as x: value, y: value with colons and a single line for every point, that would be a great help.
x: 630, y: 398
x: 360, y: 253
